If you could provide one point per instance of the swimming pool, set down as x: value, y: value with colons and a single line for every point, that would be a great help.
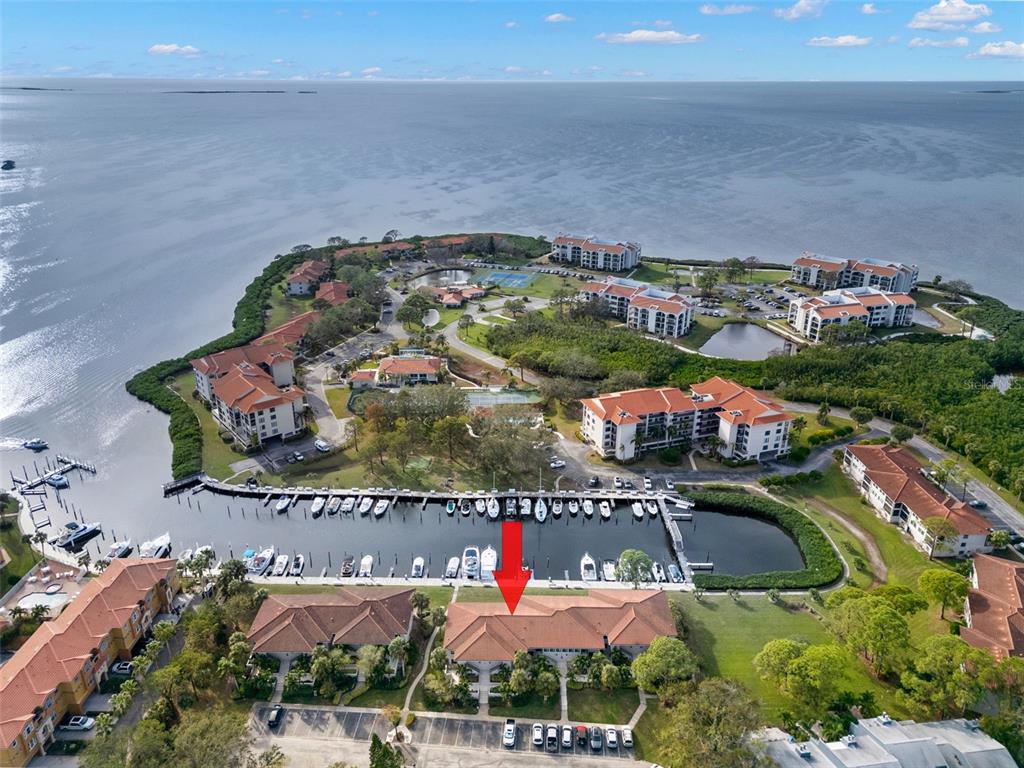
x: 51, y: 601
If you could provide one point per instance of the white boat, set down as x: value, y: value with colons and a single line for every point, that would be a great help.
x: 658, y: 571
x: 684, y: 504
x: 465, y: 507
x: 119, y: 549
x: 652, y: 508
x: 74, y: 535
x: 347, y: 504
x: 540, y: 511
x: 608, y: 570
x: 262, y: 561
x: 488, y: 563
x: 493, y: 508
x: 452, y: 569
x: 470, y: 563
x: 247, y: 557
x: 450, y: 507
x: 510, y: 507
x: 588, y: 568
x: 525, y: 507
x: 186, y: 555
x: 638, y: 510
x: 556, y: 508
x: 158, y: 547
x: 481, y: 506
x: 588, y: 507
x: 298, y: 565
x: 317, y: 507
x: 283, y: 503
x: 334, y: 504
x: 365, y: 504
x: 418, y: 568
x: 281, y: 565
x: 58, y: 481
x: 381, y: 507
x: 205, y: 551
x: 606, y: 510
x: 574, y: 507
x: 366, y: 566
x: 35, y: 444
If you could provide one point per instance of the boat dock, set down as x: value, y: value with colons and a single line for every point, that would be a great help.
x: 63, y: 464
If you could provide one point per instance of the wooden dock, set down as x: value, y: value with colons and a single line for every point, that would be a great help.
x: 63, y: 464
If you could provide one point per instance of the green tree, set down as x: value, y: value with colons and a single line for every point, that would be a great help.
x: 812, y: 677
x: 515, y: 307
x: 667, y: 660
x: 210, y: 738
x: 798, y: 425
x: 150, y: 745
x: 733, y: 269
x: 231, y: 578
x: 872, y: 627
x: 398, y: 650
x: 634, y: 567
x: 903, y: 599
x: 520, y: 682
x: 773, y: 660
x: 900, y: 433
x: 707, y: 279
x: 946, y: 677
x: 942, y: 534
x: 861, y: 415
x: 942, y: 586
x: 612, y: 676
x: 999, y: 539
x: 383, y: 755
x: 369, y: 659
x: 546, y: 684
x: 823, y: 411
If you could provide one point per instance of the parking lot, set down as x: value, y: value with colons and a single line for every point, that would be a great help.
x: 313, y: 722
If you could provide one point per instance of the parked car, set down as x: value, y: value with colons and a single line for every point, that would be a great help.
x: 670, y: 484
x: 582, y: 735
x: 551, y: 742
x: 566, y: 737
x: 538, y: 735
x: 596, y: 739
x: 322, y: 445
x: 275, y: 716
x: 78, y: 723
x: 298, y: 456
x: 558, y: 464
x: 628, y: 485
x: 594, y: 481
x: 617, y: 482
x: 977, y: 504
x: 648, y: 484
x: 508, y: 734
x: 612, y: 738
x: 627, y: 738
x: 122, y: 668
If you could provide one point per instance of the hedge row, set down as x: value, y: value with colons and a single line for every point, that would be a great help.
x: 248, y: 323
x: 822, y: 564
x: 795, y: 479
x: 828, y: 435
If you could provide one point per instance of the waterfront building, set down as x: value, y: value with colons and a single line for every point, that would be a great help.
x: 644, y: 308
x: 290, y: 332
x: 591, y: 253
x: 870, y: 306
x: 290, y: 625
x: 305, y: 278
x: 272, y: 357
x: 484, y: 635
x: 994, y: 608
x: 334, y: 292
x: 66, y: 659
x: 409, y: 369
x: 825, y: 273
x: 894, y: 485
x: 749, y: 426
x: 248, y: 403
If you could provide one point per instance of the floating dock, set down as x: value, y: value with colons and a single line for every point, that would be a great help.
x: 25, y: 486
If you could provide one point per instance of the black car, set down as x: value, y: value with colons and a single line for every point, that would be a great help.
x: 593, y: 482
x: 275, y: 716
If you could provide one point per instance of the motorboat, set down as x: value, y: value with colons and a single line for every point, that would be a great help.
x: 674, y: 574
x: 510, y: 507
x: 365, y: 504
x: 471, y: 563
x: 247, y: 557
x: 556, y: 508
x: 588, y: 568
x: 35, y: 444
x: 684, y: 504
x: 608, y: 570
x: 281, y: 565
x: 347, y: 504
x: 450, y: 507
x: 348, y: 566
x: 158, y: 547
x: 540, y: 511
x: 283, y: 503
x: 366, y: 566
x: 381, y: 507
x: 574, y: 507
x: 465, y: 507
x: 58, y: 481
x: 333, y: 505
x: 317, y: 507
x: 606, y: 510
x: 186, y: 555
x: 658, y: 572
x: 119, y: 549
x: 493, y: 508
x: 652, y: 507
x: 418, y: 568
x: 638, y: 510
x: 262, y: 561
x: 525, y: 506
x: 75, y: 535
x: 298, y: 565
x: 481, y: 506
x: 205, y: 551
x: 588, y: 507
x: 451, y: 571
x: 488, y: 563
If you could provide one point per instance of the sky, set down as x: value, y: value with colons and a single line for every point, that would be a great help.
x: 516, y: 41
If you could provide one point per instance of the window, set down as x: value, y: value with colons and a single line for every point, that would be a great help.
x: 31, y: 743
x: 49, y: 702
x: 28, y: 729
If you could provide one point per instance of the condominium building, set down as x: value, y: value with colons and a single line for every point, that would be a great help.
x: 66, y: 659
x: 591, y: 253
x: 334, y: 292
x: 305, y: 278
x: 290, y: 332
x: 875, y: 308
x: 894, y: 485
x: 409, y: 369
x: 248, y: 403
x: 825, y: 273
x: 644, y: 308
x: 272, y: 357
x: 994, y: 608
x: 626, y: 424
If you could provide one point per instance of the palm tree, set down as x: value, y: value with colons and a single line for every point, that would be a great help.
x: 38, y: 613
x: 18, y: 614
x: 799, y: 424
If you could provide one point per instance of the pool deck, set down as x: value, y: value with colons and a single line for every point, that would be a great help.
x: 70, y: 586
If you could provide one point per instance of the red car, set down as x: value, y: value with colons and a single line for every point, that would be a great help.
x: 582, y: 735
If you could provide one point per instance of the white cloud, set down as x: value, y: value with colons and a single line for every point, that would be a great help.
x: 801, y: 9
x: 842, y: 41
x: 870, y: 9
x: 546, y: 72
x: 558, y: 18
x: 649, y: 37
x: 277, y: 61
x: 511, y: 24
x: 298, y: 77
x: 1004, y: 50
x: 985, y: 28
x: 173, y: 49
x: 370, y: 71
x: 344, y: 73
x: 514, y: 70
x: 258, y: 73
x: 726, y: 10
x: 892, y: 39
x: 633, y: 73
x: 948, y: 15
x: 65, y: 68
x: 663, y: 23
x: 925, y: 42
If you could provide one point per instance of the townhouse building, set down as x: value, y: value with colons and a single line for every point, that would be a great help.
x: 747, y: 425
x: 66, y: 659
x: 871, y: 306
x: 290, y: 332
x: 334, y: 293
x: 646, y: 309
x: 994, y: 607
x: 305, y: 278
x: 273, y: 358
x: 409, y: 369
x: 894, y: 485
x: 248, y: 403
x: 825, y: 273
x: 591, y: 253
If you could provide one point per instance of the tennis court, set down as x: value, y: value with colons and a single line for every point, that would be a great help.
x: 509, y: 279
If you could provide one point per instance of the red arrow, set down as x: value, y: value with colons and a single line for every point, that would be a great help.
x: 512, y: 577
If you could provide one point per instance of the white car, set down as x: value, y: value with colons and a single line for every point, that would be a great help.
x: 627, y: 738
x: 557, y: 464
x: 648, y: 485
x: 508, y: 735
x: 122, y: 668
x: 566, y: 737
x: 612, y: 738
x: 617, y: 482
x: 538, y: 735
x: 78, y: 723
x: 322, y: 445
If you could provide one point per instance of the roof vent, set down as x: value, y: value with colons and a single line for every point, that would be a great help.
x: 850, y: 741
x: 804, y: 750
x: 972, y: 724
x: 884, y: 719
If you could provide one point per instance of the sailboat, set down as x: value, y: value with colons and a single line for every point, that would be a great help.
x: 540, y: 511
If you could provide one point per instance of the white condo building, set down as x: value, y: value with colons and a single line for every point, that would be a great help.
x: 644, y: 308
x: 870, y: 306
x: 627, y: 424
x: 591, y: 253
x: 825, y: 273
x: 248, y: 403
x: 273, y: 357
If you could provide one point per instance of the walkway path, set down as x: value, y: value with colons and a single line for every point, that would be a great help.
x: 426, y: 663
x: 639, y: 711
x: 563, y: 692
x: 878, y: 567
x: 282, y: 670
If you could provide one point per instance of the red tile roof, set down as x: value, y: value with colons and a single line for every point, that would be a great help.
x: 57, y: 651
x: 220, y: 363
x: 364, y: 374
x: 808, y: 259
x: 291, y: 331
x: 668, y: 306
x: 308, y: 272
x: 996, y: 607
x: 487, y: 632
x: 878, y: 269
x: 407, y: 366
x: 627, y: 407
x: 739, y: 404
x: 251, y: 389
x: 347, y: 616
x: 589, y: 244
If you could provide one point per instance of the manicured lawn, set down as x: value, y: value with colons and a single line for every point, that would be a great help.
x: 493, y: 595
x: 439, y: 596
x: 765, y: 276
x: 381, y: 697
x: 337, y: 399
x: 476, y: 335
x: 306, y: 695
x: 217, y: 455
x: 22, y: 556
x: 531, y: 708
x: 284, y: 307
x: 813, y: 427
x: 542, y: 286
x: 647, y: 736
x: 656, y: 272
x: 592, y: 705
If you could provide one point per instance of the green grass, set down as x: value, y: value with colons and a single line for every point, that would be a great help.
x: 542, y: 286
x: 21, y: 554
x: 656, y: 272
x: 381, y: 697
x: 439, y: 596
x: 493, y: 595
x: 647, y: 740
x: 284, y: 307
x: 217, y: 455
x: 306, y: 694
x: 765, y: 276
x: 592, y: 705
x: 532, y: 707
x: 475, y: 335
x: 813, y: 427
x: 337, y: 399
